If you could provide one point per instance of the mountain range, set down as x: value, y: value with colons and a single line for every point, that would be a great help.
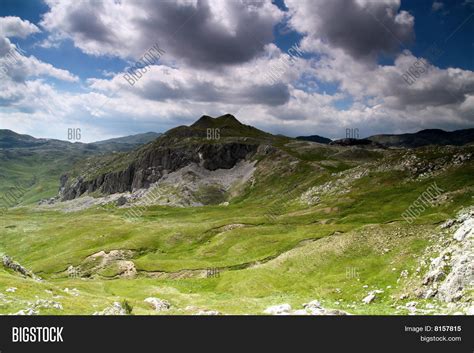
x: 10, y: 139
x: 130, y: 162
x: 410, y: 140
x: 425, y: 138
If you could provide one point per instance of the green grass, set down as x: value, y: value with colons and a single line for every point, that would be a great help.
x: 328, y: 251
x: 35, y: 171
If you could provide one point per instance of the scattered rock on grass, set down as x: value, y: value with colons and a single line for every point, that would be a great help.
x: 115, y: 309
x: 282, y: 309
x: 369, y: 298
x: 158, y: 304
x: 312, y: 308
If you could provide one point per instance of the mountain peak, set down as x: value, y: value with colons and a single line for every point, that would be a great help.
x: 207, y: 121
x: 203, y: 120
x: 228, y: 118
x: 227, y: 124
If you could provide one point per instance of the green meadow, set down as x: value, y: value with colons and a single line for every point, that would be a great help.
x: 267, y: 246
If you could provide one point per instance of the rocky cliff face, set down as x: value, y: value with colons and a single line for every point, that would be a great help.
x: 156, y: 162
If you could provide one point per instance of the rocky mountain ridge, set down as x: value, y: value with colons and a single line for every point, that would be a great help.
x: 156, y: 163
x: 176, y: 149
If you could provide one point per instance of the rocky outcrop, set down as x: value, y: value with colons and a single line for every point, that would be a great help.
x: 157, y: 303
x: 115, y: 263
x: 154, y: 163
x: 450, y: 274
x: 339, y: 185
x: 15, y: 266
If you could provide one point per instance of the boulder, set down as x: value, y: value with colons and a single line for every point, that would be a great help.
x: 369, y: 298
x: 466, y: 229
x: 115, y: 309
x: 282, y: 309
x: 158, y: 304
x: 122, y: 200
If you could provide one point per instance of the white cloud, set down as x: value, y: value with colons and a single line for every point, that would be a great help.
x: 17, y: 67
x: 361, y: 28
x: 202, y: 33
x: 11, y: 26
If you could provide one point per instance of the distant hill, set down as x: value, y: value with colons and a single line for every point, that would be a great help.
x: 426, y: 137
x: 10, y: 139
x: 39, y: 162
x: 314, y: 138
x: 139, y: 139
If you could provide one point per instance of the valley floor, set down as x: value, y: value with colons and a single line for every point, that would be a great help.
x: 219, y: 266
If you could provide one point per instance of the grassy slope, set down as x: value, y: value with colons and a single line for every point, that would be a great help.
x: 318, y: 244
x: 37, y: 171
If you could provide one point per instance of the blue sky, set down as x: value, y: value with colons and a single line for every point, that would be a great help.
x: 218, y: 57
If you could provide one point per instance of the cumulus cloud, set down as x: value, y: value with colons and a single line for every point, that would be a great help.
x: 17, y: 67
x: 347, y: 50
x: 204, y: 33
x: 244, y: 84
x: 434, y: 87
x: 11, y: 26
x: 361, y: 28
x: 385, y: 83
x: 24, y: 91
x: 162, y: 83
